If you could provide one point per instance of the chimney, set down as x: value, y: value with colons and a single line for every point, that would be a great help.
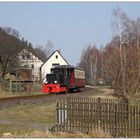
x: 59, y: 50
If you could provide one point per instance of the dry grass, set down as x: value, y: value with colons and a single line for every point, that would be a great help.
x: 32, y: 120
x: 6, y: 93
x: 24, y: 119
x: 41, y: 134
x: 94, y: 134
x: 99, y: 133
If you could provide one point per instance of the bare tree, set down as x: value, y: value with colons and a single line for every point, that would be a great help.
x: 48, y: 48
x: 39, y: 51
x: 45, y: 51
x: 138, y: 46
x: 122, y: 25
x: 119, y: 61
x: 90, y: 61
x: 12, y: 32
x: 121, y: 56
x: 10, y: 45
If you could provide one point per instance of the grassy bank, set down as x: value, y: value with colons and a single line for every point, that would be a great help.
x: 24, y: 119
x: 46, y: 134
x: 32, y: 121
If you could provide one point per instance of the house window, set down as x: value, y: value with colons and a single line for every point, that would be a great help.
x: 32, y: 66
x: 25, y: 66
x: 33, y: 76
x: 23, y: 56
x: 28, y: 56
x: 56, y: 56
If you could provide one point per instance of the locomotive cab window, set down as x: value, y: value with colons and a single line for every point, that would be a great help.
x: 55, y: 64
x: 69, y: 73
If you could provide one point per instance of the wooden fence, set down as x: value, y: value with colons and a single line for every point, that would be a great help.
x: 86, y: 114
x: 21, y: 86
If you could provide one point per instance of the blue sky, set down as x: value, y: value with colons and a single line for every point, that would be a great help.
x: 69, y: 25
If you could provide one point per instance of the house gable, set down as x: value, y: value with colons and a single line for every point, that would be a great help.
x: 31, y: 61
x: 26, y: 54
x: 55, y: 59
x: 54, y: 53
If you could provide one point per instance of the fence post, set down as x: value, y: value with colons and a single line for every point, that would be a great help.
x: 116, y: 116
x: 99, y: 110
x: 108, y: 115
x: 57, y: 113
x: 10, y: 86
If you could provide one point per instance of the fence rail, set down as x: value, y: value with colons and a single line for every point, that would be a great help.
x: 86, y: 114
x: 21, y: 86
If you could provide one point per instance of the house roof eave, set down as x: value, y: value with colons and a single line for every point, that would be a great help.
x: 52, y: 55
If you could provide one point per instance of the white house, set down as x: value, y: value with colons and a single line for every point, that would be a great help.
x: 54, y: 60
x: 29, y: 60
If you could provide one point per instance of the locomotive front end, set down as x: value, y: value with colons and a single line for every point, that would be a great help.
x: 52, y: 84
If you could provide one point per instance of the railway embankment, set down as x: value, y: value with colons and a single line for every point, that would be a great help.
x: 88, y: 91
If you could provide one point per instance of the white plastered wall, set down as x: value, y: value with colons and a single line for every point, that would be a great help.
x: 46, y: 68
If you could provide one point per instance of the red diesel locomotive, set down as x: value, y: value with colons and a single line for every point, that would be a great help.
x: 64, y: 78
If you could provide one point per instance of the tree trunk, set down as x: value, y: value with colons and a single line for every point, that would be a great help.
x: 4, y: 69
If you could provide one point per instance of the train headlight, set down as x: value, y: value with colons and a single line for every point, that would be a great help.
x: 55, y: 82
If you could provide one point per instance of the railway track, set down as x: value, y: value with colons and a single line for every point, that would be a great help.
x: 36, y: 99
x: 23, y: 100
